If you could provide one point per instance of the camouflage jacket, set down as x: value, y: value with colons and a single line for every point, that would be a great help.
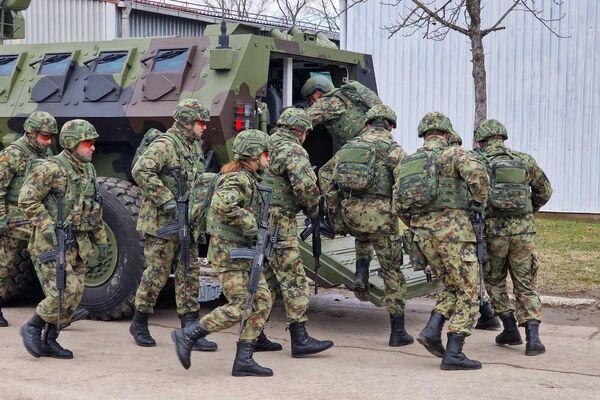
x: 13, y: 163
x: 297, y: 187
x: 541, y: 190
x: 332, y: 112
x: 39, y: 206
x: 151, y: 174
x: 452, y: 225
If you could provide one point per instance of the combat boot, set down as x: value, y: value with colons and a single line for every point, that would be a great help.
x: 303, y: 344
x: 139, y: 330
x: 398, y: 335
x: 3, y: 321
x: 264, y: 344
x: 431, y: 335
x: 51, y: 347
x: 31, y: 333
x: 510, y: 335
x: 487, y: 320
x: 79, y: 314
x: 534, y: 345
x: 454, y: 358
x: 201, y: 344
x: 361, y: 280
x: 185, y: 338
x: 244, y: 364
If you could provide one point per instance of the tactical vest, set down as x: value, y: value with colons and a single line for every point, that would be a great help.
x: 214, y: 225
x: 358, y: 100
x: 13, y: 189
x: 283, y: 195
x: 510, y: 193
x: 188, y: 161
x: 81, y: 202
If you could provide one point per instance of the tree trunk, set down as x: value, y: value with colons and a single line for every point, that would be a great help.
x: 479, y: 75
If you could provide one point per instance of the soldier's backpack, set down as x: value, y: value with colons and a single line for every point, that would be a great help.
x: 418, y: 181
x: 510, y: 193
x: 200, y: 199
x: 360, y: 94
x: 150, y: 136
x: 355, y: 170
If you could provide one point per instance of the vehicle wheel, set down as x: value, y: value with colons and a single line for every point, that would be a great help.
x: 22, y: 277
x: 110, y: 285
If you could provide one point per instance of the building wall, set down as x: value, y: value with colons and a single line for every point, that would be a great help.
x: 545, y: 89
x: 149, y: 24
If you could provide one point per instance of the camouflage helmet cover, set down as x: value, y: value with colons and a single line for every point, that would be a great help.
x: 40, y: 121
x: 190, y: 110
x: 295, y: 118
x: 489, y: 128
x: 317, y: 82
x: 249, y: 143
x: 435, y: 121
x: 380, y: 111
x: 75, y: 131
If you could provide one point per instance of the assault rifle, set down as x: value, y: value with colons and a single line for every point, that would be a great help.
x: 262, y: 250
x: 64, y: 237
x: 181, y: 228
x: 316, y: 227
x: 478, y: 223
x: 14, y: 224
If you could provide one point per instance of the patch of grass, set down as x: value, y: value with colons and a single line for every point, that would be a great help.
x: 569, y: 257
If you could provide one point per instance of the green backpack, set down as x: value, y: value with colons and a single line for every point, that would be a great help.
x: 355, y: 170
x: 510, y: 193
x: 150, y: 136
x: 200, y: 199
x: 360, y: 94
x: 418, y: 182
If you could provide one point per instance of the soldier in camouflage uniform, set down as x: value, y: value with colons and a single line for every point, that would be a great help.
x: 232, y: 222
x: 295, y: 189
x: 510, y: 234
x: 178, y: 148
x: 72, y: 173
x: 367, y: 211
x: 432, y: 196
x: 342, y: 112
x: 39, y: 128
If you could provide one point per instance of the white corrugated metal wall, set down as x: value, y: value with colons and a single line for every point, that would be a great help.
x: 149, y: 24
x: 545, y: 89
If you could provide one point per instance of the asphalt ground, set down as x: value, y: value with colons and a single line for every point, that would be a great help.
x: 108, y: 365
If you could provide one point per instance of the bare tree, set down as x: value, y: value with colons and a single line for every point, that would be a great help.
x: 241, y: 8
x: 292, y: 10
x: 325, y: 13
x: 435, y: 18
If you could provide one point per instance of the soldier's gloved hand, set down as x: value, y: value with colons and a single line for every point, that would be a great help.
x: 250, y: 233
x: 170, y: 206
x: 102, y: 251
x: 476, y: 206
x: 50, y: 235
x: 3, y: 224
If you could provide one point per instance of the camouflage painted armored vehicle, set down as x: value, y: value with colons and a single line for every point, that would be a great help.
x: 124, y: 87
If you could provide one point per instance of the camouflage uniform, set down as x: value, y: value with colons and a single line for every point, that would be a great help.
x: 510, y: 237
x: 13, y: 163
x: 75, y: 177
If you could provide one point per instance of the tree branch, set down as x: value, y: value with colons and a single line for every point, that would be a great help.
x: 433, y: 15
x: 495, y: 26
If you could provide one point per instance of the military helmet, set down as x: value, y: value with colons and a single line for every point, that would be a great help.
x: 40, y: 121
x: 435, y: 121
x: 249, y: 143
x: 75, y: 131
x: 317, y: 82
x: 455, y: 139
x: 380, y: 111
x: 295, y: 118
x: 190, y: 110
x: 489, y: 128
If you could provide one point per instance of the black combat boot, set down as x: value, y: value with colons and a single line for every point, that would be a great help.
x: 51, y: 347
x: 201, y: 344
x: 3, y: 321
x: 431, y: 335
x: 361, y: 279
x: 534, y: 345
x: 398, y: 335
x: 510, y: 335
x: 185, y: 338
x: 244, y: 364
x: 454, y: 358
x: 264, y: 344
x: 31, y: 333
x: 303, y: 344
x: 487, y: 320
x: 139, y: 330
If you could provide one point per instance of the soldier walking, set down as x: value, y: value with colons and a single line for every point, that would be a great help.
x: 39, y: 129
x: 64, y: 184
x: 432, y: 196
x: 295, y: 189
x: 232, y: 222
x: 518, y: 189
x: 174, y: 155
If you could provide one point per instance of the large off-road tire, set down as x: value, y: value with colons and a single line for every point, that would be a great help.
x: 23, y: 280
x: 110, y: 285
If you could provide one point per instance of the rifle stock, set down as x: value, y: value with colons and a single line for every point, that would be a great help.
x: 478, y: 222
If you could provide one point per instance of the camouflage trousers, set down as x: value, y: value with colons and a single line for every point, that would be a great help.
x: 515, y: 255
x: 389, y: 254
x: 235, y: 289
x: 285, y: 273
x: 9, y: 254
x: 160, y: 256
x: 455, y: 263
